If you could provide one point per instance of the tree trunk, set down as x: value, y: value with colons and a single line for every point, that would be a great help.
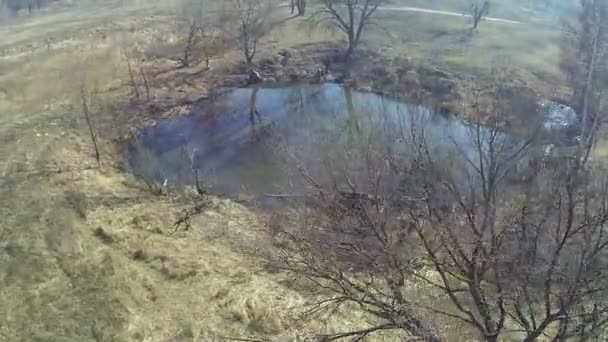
x: 349, y: 51
x: 301, y: 7
x: 186, y: 58
x: 250, y: 50
x: 145, y: 78
x: 491, y: 338
x: 533, y: 335
x: 588, y: 88
x: 85, y: 111
x: 132, y: 77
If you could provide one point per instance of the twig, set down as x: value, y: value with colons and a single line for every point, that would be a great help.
x: 131, y: 76
x: 86, y: 112
x: 145, y: 78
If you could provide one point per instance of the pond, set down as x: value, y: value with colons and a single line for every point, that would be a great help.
x: 256, y: 140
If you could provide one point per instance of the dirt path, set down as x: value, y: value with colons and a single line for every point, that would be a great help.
x: 449, y: 13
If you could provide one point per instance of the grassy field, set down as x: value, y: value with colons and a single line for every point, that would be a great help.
x: 529, y: 52
x: 537, y: 11
x: 86, y: 253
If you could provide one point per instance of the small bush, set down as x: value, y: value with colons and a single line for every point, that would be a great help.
x: 78, y: 201
x: 102, y: 235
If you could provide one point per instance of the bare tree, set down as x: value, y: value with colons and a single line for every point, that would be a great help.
x: 144, y: 77
x: 136, y: 66
x: 251, y: 20
x: 85, y: 102
x: 534, y: 255
x: 347, y: 242
x: 507, y: 256
x: 196, y: 26
x: 132, y: 79
x: 348, y: 16
x: 193, y: 37
x: 478, y: 10
x: 584, y: 56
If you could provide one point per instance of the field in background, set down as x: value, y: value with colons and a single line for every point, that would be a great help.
x: 528, y: 51
x: 547, y: 11
x: 86, y: 253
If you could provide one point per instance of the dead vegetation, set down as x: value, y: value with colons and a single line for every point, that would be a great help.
x: 91, y: 253
x: 403, y: 209
x: 251, y: 21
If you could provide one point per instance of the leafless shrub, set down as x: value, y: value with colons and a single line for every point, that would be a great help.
x: 584, y: 55
x: 400, y: 207
x: 104, y: 236
x: 250, y: 20
x: 132, y: 78
x: 195, y: 28
x: 151, y: 171
x: 78, y: 201
x: 200, y: 24
x: 348, y: 241
x: 85, y: 102
x: 201, y: 202
x: 144, y: 77
x: 135, y: 60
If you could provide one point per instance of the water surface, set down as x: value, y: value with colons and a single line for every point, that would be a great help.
x: 252, y: 140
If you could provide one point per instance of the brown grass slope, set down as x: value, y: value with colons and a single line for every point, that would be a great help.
x: 86, y: 253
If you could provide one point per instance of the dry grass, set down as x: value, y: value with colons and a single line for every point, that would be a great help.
x: 524, y: 10
x: 529, y: 50
x: 86, y: 254
x: 446, y: 41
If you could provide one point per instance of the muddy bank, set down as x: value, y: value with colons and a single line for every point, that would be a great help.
x: 175, y: 91
x: 367, y: 71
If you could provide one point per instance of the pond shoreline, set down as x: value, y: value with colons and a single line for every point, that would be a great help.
x: 238, y: 139
x: 179, y: 94
x: 397, y: 78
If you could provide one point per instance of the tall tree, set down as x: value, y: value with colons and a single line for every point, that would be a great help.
x: 348, y: 16
x: 586, y: 60
x: 403, y: 209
